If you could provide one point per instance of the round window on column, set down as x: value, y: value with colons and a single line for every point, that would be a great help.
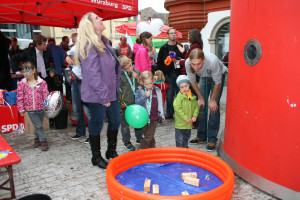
x: 252, y: 52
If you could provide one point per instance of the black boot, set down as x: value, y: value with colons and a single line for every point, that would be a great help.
x: 111, y: 144
x: 95, y: 147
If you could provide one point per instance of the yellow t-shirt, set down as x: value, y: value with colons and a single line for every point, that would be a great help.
x: 32, y: 84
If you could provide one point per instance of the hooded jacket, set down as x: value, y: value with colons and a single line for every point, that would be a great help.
x: 142, y: 59
x: 28, y: 99
x: 185, y: 109
x: 141, y: 98
x: 128, y: 94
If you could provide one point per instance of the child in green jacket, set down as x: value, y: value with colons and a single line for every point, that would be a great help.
x: 186, y: 111
x: 128, y: 86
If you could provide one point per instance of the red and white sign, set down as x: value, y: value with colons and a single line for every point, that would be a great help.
x: 11, y: 120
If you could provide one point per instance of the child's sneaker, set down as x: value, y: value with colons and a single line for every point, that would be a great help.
x: 139, y: 140
x: 76, y: 137
x: 211, y: 146
x: 44, y: 146
x: 129, y: 146
x: 87, y: 141
x: 36, y: 143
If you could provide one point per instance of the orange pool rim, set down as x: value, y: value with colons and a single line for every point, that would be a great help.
x: 166, y: 155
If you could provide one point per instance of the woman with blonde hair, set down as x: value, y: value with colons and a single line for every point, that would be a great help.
x: 100, y: 85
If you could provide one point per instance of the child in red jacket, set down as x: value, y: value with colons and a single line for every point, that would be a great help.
x: 160, y: 83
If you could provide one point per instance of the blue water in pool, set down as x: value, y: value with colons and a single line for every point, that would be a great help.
x: 168, y: 177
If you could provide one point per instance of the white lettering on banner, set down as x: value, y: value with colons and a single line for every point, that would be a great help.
x: 11, y: 127
x: 106, y: 3
x: 8, y: 127
x: 21, y: 127
x: 126, y: 7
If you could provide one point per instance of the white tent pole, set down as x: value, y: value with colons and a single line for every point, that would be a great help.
x: 136, y: 23
x: 54, y: 33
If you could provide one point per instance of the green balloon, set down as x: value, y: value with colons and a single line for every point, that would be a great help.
x: 136, y: 116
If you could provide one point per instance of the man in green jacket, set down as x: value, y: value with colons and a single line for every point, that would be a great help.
x: 186, y: 111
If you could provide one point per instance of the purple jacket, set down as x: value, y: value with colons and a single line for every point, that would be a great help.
x: 100, y: 76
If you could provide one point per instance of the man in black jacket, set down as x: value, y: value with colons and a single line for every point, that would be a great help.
x: 4, y: 63
x: 14, y: 49
x: 171, y: 72
x: 40, y: 56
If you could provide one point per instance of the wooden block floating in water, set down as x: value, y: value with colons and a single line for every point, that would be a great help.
x: 155, y: 189
x: 190, y: 174
x: 147, y: 185
x: 192, y: 181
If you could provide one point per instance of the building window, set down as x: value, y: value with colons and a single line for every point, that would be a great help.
x: 24, y: 31
x: 68, y: 29
x: 222, y: 40
x: 9, y: 30
x: 7, y: 26
x: 36, y: 27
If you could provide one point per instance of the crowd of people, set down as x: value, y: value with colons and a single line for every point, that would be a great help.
x: 188, y: 89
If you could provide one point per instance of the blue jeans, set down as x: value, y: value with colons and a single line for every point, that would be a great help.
x: 182, y: 137
x: 209, y: 129
x: 98, y: 111
x: 78, y: 107
x: 171, y: 92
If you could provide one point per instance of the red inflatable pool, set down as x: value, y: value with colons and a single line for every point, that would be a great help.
x: 163, y: 155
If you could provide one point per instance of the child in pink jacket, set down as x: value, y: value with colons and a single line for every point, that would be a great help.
x: 32, y: 92
x: 142, y: 59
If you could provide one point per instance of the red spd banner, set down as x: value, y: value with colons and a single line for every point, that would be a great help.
x: 11, y: 120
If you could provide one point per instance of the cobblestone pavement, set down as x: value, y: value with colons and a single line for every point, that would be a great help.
x: 66, y: 172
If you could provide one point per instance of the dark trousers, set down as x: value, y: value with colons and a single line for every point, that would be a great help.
x: 126, y: 131
x: 149, y: 131
x: 171, y: 92
x: 182, y: 137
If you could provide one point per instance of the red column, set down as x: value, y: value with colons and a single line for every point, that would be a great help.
x: 189, y: 14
